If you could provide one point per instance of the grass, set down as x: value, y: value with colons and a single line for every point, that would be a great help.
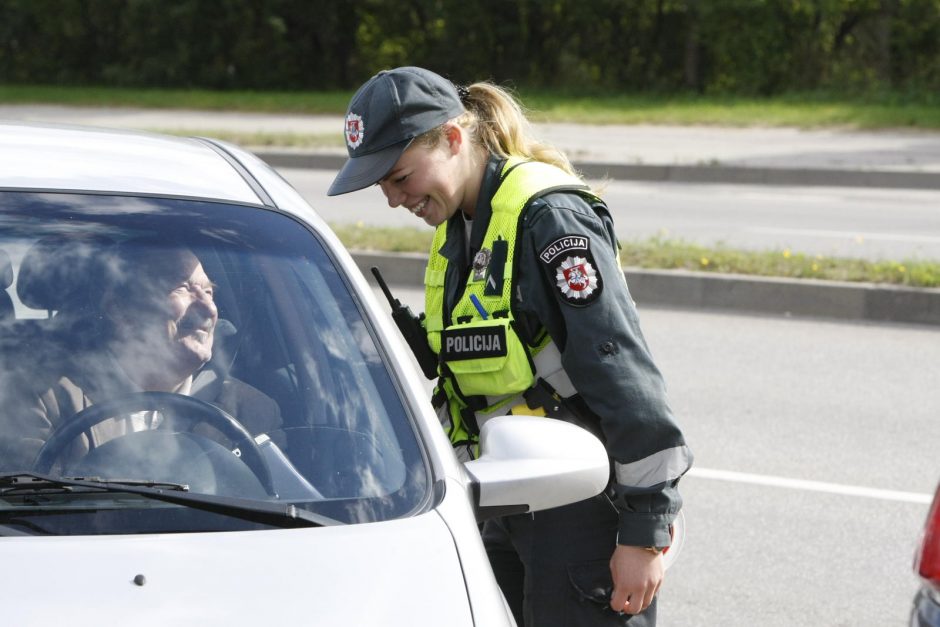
x: 663, y: 253
x: 804, y: 110
x: 671, y: 254
x: 358, y: 236
x: 261, y: 139
x: 809, y: 110
x: 332, y: 102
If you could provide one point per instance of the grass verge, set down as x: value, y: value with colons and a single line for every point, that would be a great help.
x: 331, y: 102
x: 358, y: 236
x: 261, y: 139
x: 677, y: 254
x: 804, y: 110
x: 670, y: 254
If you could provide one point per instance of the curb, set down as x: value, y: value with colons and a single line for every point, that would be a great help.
x: 697, y: 290
x: 743, y: 175
x: 734, y: 175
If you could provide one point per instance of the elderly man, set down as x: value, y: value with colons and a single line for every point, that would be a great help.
x: 154, y: 331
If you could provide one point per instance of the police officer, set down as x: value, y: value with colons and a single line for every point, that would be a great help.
x: 528, y: 312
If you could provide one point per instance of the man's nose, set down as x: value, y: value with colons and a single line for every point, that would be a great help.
x: 203, y: 298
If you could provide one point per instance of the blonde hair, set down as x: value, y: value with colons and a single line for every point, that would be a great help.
x: 495, y: 120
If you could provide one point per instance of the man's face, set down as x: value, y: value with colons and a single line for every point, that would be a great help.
x: 193, y: 316
x: 166, y: 319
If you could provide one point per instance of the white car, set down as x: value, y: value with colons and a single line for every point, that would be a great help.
x: 299, y: 476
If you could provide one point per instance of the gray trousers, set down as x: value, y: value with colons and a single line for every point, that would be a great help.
x: 553, y: 566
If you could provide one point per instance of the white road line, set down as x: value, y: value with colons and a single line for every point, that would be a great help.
x: 813, y: 486
x: 853, y: 235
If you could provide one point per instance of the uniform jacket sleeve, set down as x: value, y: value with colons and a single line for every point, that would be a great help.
x: 570, y: 280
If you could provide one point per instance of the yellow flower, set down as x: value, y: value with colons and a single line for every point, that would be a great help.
x: 902, y: 269
x: 704, y: 261
x: 360, y: 224
x: 786, y: 253
x: 815, y: 267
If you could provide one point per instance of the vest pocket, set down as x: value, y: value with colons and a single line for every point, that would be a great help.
x: 486, y: 357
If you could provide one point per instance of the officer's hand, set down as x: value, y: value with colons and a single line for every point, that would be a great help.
x: 637, y: 574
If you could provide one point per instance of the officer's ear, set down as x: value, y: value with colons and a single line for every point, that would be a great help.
x: 454, y: 136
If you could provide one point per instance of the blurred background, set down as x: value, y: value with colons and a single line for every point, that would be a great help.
x: 756, y: 47
x: 788, y: 148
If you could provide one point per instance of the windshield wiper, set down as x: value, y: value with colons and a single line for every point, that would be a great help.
x: 285, y: 515
x: 143, y: 483
x: 29, y: 483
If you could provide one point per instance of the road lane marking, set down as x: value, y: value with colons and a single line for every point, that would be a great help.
x: 853, y: 235
x: 813, y: 486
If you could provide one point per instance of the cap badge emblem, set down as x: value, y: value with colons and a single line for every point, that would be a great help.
x: 355, y: 130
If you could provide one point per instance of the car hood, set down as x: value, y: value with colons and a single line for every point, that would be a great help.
x: 403, y: 572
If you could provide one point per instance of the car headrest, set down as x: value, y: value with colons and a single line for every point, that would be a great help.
x: 6, y: 270
x: 61, y: 269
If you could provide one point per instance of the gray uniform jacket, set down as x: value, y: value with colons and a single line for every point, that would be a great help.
x: 597, y: 331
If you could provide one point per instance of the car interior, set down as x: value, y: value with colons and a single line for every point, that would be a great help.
x: 288, y: 326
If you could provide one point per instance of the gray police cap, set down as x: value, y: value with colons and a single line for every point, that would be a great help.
x: 385, y: 115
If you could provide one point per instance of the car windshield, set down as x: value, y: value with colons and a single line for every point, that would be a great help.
x: 208, y: 349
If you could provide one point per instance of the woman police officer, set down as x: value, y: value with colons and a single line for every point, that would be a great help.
x: 528, y: 311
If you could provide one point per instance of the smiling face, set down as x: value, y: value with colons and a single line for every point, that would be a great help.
x: 164, y: 318
x: 434, y: 181
x: 192, y: 319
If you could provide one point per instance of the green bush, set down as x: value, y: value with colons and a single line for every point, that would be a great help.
x: 755, y: 47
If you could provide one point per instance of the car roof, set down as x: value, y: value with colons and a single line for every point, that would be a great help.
x: 58, y: 157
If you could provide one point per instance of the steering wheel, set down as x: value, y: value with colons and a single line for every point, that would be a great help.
x: 175, y: 406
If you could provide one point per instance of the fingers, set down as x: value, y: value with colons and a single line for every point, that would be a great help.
x: 637, y: 575
x: 633, y: 600
x: 623, y: 601
x: 649, y: 596
x: 620, y: 599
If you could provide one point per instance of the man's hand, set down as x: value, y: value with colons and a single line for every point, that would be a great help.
x: 637, y: 574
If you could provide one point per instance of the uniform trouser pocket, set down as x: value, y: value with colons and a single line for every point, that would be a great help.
x: 550, y: 563
x: 593, y: 585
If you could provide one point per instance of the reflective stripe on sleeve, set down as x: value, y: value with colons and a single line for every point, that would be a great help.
x: 662, y: 467
x: 548, y: 366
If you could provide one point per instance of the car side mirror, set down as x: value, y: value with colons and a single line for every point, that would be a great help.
x: 529, y: 464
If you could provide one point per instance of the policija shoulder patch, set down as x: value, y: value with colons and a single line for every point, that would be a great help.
x: 576, y: 277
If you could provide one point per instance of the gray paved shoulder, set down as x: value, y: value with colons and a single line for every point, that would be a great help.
x: 778, y: 156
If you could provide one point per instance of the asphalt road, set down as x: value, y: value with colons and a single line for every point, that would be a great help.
x: 846, y: 404
x: 837, y: 149
x: 853, y: 222
x: 815, y: 447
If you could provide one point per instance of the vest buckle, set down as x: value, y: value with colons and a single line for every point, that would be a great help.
x: 542, y: 395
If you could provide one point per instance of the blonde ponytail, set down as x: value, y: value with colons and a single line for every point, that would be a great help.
x: 496, y: 121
